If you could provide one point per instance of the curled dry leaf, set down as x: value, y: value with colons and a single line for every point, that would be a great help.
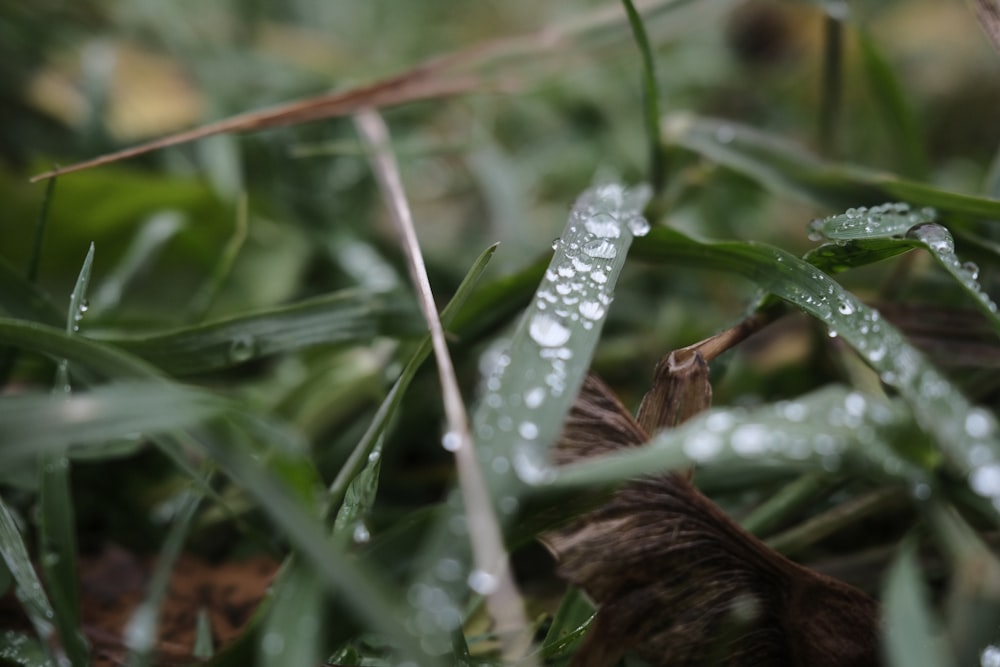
x: 677, y: 581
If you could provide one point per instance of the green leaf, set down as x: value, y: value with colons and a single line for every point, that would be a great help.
x: 891, y: 222
x: 786, y: 168
x: 912, y: 635
x: 350, y: 316
x: 294, y: 624
x: 532, y: 386
x: 29, y: 588
x: 33, y: 424
x: 965, y: 435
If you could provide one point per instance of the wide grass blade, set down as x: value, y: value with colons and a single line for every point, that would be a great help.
x: 29, y: 588
x: 349, y: 316
x: 786, y: 168
x: 912, y: 636
x: 896, y: 221
x: 533, y: 385
x: 34, y: 424
x: 832, y: 430
x: 965, y: 435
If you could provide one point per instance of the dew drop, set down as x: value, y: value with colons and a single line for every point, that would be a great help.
x: 978, y: 423
x: 972, y: 269
x: 482, y: 582
x: 556, y: 242
x: 985, y: 480
x: 601, y: 249
x: 599, y: 277
x: 592, y: 310
x: 451, y: 441
x: 242, y: 348
x: 547, y: 331
x: 528, y: 430
x: 581, y: 265
x: 638, y: 225
x: 361, y: 534
x: 603, y: 225
x: 703, y: 446
x: 374, y: 456
x: 534, y: 397
x: 566, y: 271
x: 845, y: 308
x: 750, y: 439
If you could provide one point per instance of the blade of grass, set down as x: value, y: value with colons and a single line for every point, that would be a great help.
x: 832, y: 79
x: 651, y: 100
x: 28, y: 587
x: 786, y: 168
x: 294, y: 624
x: 830, y: 430
x: 366, y: 445
x: 890, y: 221
x: 56, y: 526
x: 348, y: 316
x: 533, y: 385
x: 141, y: 630
x: 965, y: 435
x: 36, y: 424
x: 893, y: 102
x: 153, y: 234
x: 205, y: 297
x: 912, y: 636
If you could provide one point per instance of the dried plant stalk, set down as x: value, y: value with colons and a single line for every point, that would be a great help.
x: 680, y: 583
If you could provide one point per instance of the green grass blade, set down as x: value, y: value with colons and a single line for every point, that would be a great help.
x: 892, y: 101
x: 294, y: 624
x: 34, y: 424
x: 145, y: 245
x: 29, y: 588
x: 366, y: 446
x: 532, y: 387
x: 651, y: 99
x: 893, y: 222
x: 912, y: 636
x: 141, y: 630
x: 56, y: 525
x: 19, y: 649
x: 784, y: 167
x: 831, y: 430
x: 349, y: 316
x: 21, y: 298
x: 965, y: 434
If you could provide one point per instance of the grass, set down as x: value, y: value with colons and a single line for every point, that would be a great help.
x: 226, y: 354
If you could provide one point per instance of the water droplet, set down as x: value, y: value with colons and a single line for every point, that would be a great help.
x: 990, y: 657
x: 703, y: 446
x: 534, y: 397
x: 921, y: 491
x: 604, y: 225
x: 581, y: 265
x: 566, y: 271
x: 978, y: 423
x: 374, y: 456
x: 242, y: 348
x: 508, y: 504
x: 556, y: 242
x: 972, y: 269
x: 528, y: 430
x: 451, y: 441
x: 592, y: 310
x: 531, y: 467
x: 361, y: 534
x: 601, y: 249
x: 845, y: 308
x: 985, y: 480
x: 599, y: 277
x: 547, y: 331
x: 638, y: 225
x: 750, y: 439
x: 482, y: 582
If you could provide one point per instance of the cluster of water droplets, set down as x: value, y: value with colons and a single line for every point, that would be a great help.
x: 968, y: 434
x: 892, y: 220
x: 822, y: 427
x: 572, y: 301
x: 939, y: 242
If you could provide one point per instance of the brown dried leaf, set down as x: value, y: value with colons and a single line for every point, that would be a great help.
x: 681, y: 584
x: 680, y: 390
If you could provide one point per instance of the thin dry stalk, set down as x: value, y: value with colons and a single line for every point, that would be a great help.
x: 488, y: 549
